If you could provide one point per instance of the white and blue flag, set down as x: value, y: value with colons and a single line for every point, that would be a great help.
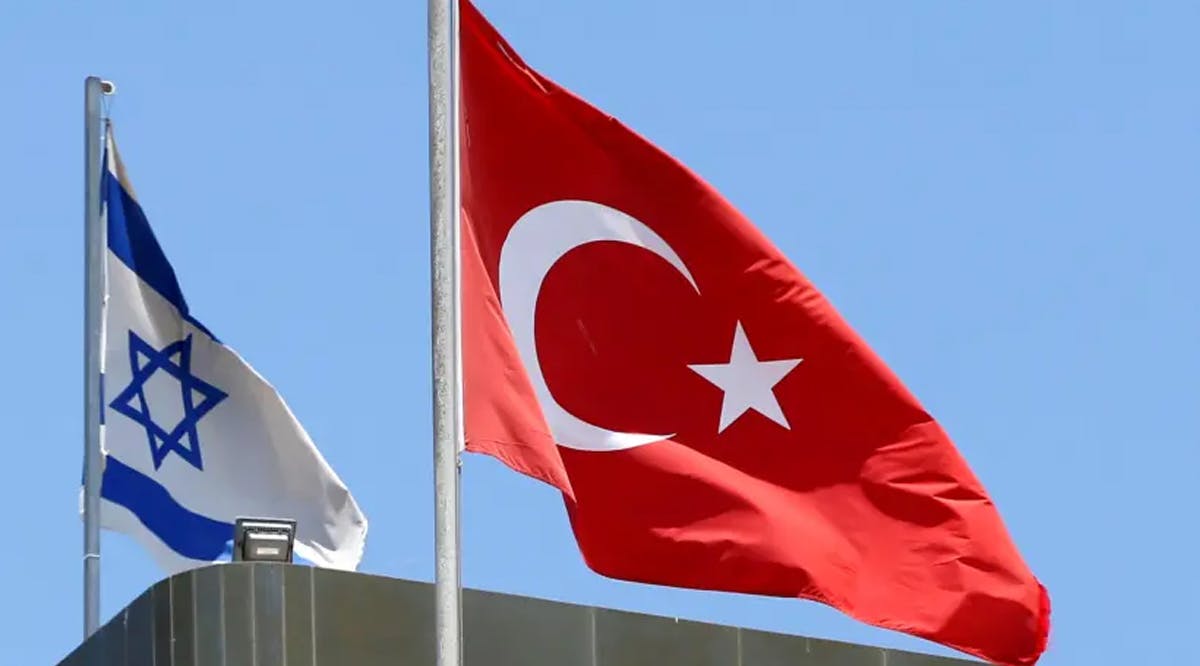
x: 193, y: 436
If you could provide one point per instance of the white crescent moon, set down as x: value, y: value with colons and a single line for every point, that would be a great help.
x: 536, y: 242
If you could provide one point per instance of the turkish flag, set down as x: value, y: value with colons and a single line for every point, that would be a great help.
x: 713, y: 422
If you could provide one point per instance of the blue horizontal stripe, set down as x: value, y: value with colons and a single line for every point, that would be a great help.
x: 132, y: 240
x: 188, y: 533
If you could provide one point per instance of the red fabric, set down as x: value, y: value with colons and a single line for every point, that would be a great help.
x: 862, y: 503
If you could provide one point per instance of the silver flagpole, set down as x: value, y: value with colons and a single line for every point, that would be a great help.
x: 447, y: 367
x: 92, y: 336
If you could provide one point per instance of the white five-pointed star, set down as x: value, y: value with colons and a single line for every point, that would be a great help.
x: 747, y: 382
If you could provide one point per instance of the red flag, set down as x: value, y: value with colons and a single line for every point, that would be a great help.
x: 632, y: 339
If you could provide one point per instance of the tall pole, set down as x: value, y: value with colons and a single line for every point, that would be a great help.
x: 447, y: 366
x: 93, y: 261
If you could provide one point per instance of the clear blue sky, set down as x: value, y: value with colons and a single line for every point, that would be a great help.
x: 1002, y: 197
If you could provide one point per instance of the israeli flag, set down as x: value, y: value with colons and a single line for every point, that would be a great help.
x: 193, y: 436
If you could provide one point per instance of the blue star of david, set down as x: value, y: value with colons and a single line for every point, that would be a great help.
x: 198, y: 396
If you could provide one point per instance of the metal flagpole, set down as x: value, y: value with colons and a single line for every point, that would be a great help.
x: 444, y: 216
x: 94, y: 244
